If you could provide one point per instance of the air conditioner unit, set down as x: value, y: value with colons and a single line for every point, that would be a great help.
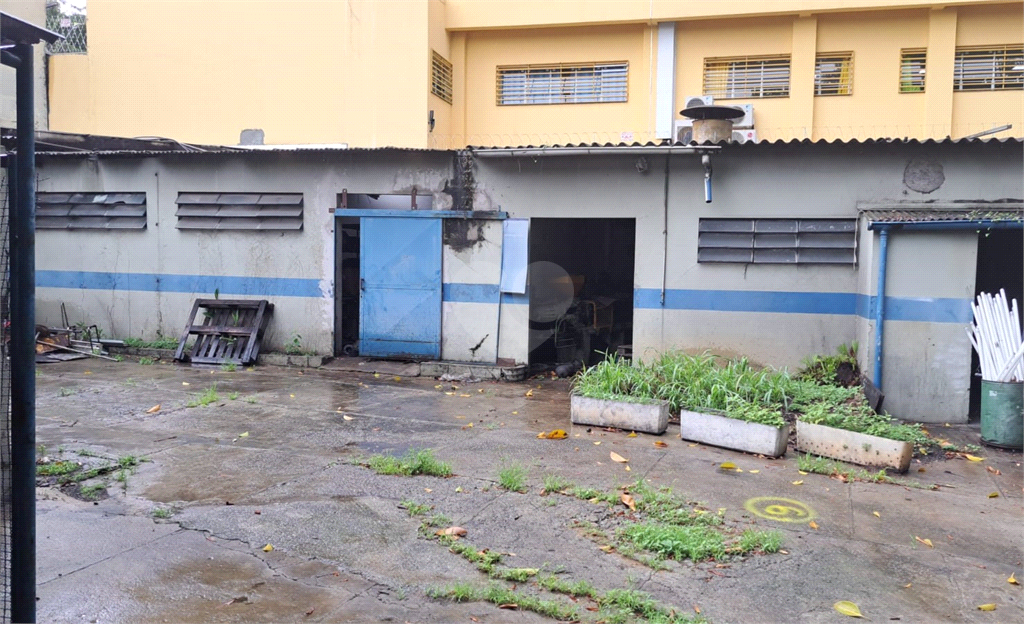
x: 744, y: 136
x: 683, y: 131
x: 748, y: 117
x: 699, y: 100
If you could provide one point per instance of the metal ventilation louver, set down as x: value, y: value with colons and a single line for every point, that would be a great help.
x: 239, y: 211
x: 90, y: 211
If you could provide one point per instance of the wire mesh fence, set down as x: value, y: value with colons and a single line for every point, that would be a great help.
x: 71, y: 26
x: 5, y: 410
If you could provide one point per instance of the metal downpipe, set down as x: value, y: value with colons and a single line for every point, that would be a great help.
x: 883, y: 252
x: 23, y: 353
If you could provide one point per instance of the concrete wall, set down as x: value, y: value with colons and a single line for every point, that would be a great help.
x: 780, y: 314
x: 141, y: 283
x: 471, y: 274
x: 34, y: 12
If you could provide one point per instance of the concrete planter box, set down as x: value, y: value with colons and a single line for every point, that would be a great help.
x: 733, y: 434
x: 644, y: 417
x: 856, y: 448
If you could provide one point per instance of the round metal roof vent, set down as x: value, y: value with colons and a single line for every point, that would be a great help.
x: 713, y: 112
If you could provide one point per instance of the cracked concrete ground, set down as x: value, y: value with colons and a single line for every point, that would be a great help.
x: 344, y: 551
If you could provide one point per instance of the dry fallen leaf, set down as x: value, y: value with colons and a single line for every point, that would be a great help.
x: 993, y: 494
x: 727, y: 466
x: 607, y: 549
x: 515, y: 413
x: 921, y: 470
x: 458, y: 490
x: 628, y: 501
x: 508, y: 605
x: 628, y: 469
x: 926, y: 542
x: 908, y: 585
x: 268, y: 548
x: 597, y: 443
x: 696, y: 609
x: 876, y: 514
x: 465, y: 396
x: 739, y: 470
x: 801, y: 472
x: 1012, y: 580
x: 347, y: 417
x: 427, y: 490
x: 987, y: 607
x: 847, y: 608
x: 450, y: 393
x: 310, y: 611
x: 798, y: 483
x: 469, y: 426
x: 184, y: 383
x: 992, y: 470
x: 660, y: 444
x: 244, y: 435
x: 397, y: 378
x: 754, y: 471
x: 452, y: 531
x: 813, y: 525
x: 529, y: 392
x: 973, y: 457
x: 437, y: 387
x: 376, y: 375
x: 557, y: 434
x: 617, y: 458
x: 632, y: 434
x: 153, y: 410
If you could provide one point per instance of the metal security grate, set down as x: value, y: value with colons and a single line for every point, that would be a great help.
x: 579, y: 83
x: 71, y: 25
x: 441, y: 77
x: 747, y: 76
x: 989, y: 68
x: 912, y: 70
x: 239, y: 211
x: 778, y: 241
x: 91, y: 211
x: 833, y: 74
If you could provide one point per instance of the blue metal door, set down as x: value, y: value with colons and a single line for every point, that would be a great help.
x: 400, y: 279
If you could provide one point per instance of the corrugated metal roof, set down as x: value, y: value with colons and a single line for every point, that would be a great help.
x: 341, y: 148
x: 242, y: 150
x: 965, y: 140
x: 994, y: 214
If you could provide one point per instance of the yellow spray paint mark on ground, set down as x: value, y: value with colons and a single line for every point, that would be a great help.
x: 780, y: 509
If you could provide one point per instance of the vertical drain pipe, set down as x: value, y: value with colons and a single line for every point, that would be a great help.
x: 664, y: 235
x: 883, y: 251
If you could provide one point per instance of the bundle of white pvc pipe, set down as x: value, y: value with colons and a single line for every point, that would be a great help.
x: 996, y: 336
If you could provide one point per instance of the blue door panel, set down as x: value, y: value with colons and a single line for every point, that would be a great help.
x: 400, y: 269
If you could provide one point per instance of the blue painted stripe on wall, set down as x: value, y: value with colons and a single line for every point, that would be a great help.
x: 516, y: 298
x: 924, y: 310
x: 748, y: 301
x: 470, y: 293
x: 150, y: 282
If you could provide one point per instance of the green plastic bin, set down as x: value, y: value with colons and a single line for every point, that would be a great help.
x: 1002, y: 414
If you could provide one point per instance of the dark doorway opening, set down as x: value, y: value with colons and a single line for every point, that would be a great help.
x: 581, y: 288
x: 346, y: 290
x: 1000, y: 266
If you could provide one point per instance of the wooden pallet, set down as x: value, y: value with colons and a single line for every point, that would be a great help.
x: 231, y: 331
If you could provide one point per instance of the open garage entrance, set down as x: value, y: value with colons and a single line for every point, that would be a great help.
x: 581, y: 288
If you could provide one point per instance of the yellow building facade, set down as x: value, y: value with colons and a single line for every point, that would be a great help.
x: 447, y: 74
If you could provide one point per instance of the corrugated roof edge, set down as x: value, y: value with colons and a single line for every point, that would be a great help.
x: 776, y: 142
x: 663, y: 144
x: 244, y: 150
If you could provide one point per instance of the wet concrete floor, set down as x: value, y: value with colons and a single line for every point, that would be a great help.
x: 274, y: 461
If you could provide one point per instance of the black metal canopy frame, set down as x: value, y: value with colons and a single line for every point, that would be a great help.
x: 16, y: 40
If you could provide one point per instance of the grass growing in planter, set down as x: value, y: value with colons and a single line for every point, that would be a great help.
x: 857, y: 416
x: 694, y: 382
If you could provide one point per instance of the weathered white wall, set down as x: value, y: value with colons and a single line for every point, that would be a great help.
x: 305, y: 307
x: 471, y: 272
x: 784, y: 181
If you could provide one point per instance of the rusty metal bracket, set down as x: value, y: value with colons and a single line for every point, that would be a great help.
x: 414, y: 198
x: 344, y: 198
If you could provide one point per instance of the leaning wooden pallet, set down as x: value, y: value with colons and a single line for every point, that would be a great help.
x: 231, y: 331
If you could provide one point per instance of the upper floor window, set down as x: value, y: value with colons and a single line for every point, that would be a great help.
x: 441, y: 77
x: 912, y: 66
x: 577, y: 83
x: 833, y: 74
x: 989, y: 68
x: 747, y: 76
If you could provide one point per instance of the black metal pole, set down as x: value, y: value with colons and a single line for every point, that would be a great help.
x: 23, y: 352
